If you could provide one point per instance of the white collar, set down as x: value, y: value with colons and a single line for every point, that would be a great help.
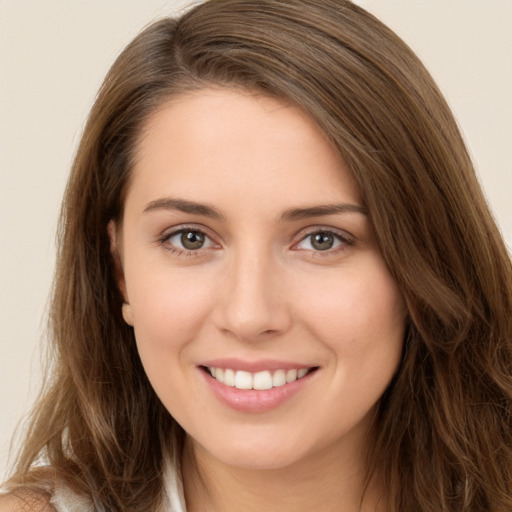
x: 174, y: 489
x: 64, y: 500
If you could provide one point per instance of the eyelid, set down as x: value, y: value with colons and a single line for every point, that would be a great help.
x: 168, y: 233
x: 345, y: 237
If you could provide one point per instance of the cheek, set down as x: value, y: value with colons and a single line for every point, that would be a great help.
x: 360, y: 316
x: 360, y: 319
x: 169, y: 312
x: 168, y: 309
x: 355, y: 305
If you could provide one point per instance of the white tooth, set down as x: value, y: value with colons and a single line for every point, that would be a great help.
x: 291, y: 375
x: 279, y: 378
x: 262, y: 380
x: 212, y: 370
x: 243, y: 380
x: 302, y: 372
x: 219, y: 375
x: 229, y: 377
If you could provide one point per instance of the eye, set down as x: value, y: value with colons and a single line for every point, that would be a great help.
x: 322, y: 241
x: 188, y: 240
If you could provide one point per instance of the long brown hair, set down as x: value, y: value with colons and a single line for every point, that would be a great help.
x: 443, y: 435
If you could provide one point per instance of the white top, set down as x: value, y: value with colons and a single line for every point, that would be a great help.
x: 64, y: 500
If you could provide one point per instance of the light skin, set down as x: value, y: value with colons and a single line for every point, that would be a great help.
x: 25, y: 500
x: 244, y: 238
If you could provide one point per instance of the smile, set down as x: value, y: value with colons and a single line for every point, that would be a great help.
x: 260, y: 381
x: 256, y: 387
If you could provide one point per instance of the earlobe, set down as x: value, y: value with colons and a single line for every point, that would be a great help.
x: 127, y: 313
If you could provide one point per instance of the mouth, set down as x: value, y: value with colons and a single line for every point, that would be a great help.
x: 260, y: 381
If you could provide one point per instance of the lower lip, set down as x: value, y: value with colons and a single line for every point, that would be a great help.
x: 252, y: 400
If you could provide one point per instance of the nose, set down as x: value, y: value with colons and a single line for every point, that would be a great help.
x: 252, y: 304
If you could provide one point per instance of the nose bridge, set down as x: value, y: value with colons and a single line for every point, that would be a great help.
x: 253, y: 303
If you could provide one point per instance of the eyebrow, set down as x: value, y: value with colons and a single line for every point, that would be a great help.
x: 319, y: 211
x: 182, y: 205
x: 293, y: 214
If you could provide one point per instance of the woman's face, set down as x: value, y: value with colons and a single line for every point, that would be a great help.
x: 264, y: 314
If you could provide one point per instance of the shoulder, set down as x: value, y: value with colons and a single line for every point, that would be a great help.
x: 25, y: 501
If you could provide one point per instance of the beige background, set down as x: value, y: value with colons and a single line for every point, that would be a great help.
x: 53, y: 56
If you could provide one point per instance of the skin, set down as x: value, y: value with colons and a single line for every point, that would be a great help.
x: 258, y: 289
x: 25, y: 501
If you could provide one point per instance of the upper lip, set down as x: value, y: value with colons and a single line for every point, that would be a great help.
x: 256, y: 365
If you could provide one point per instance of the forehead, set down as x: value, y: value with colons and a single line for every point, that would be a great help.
x: 217, y: 142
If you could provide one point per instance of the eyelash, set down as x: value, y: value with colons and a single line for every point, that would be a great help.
x: 342, y: 238
x: 164, y: 241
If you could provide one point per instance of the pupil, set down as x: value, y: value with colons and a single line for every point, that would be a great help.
x: 322, y: 241
x: 192, y: 240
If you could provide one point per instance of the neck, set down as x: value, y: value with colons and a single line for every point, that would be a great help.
x: 334, y: 475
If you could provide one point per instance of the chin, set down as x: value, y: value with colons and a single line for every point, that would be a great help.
x: 259, y: 460
x: 266, y: 451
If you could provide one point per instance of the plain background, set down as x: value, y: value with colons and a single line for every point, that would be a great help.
x: 53, y: 56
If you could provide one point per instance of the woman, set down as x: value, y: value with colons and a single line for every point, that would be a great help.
x: 279, y: 286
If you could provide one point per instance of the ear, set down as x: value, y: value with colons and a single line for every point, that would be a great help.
x: 126, y: 310
x: 118, y: 271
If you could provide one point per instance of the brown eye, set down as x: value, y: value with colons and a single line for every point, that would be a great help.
x: 187, y: 242
x: 192, y: 240
x: 322, y: 241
